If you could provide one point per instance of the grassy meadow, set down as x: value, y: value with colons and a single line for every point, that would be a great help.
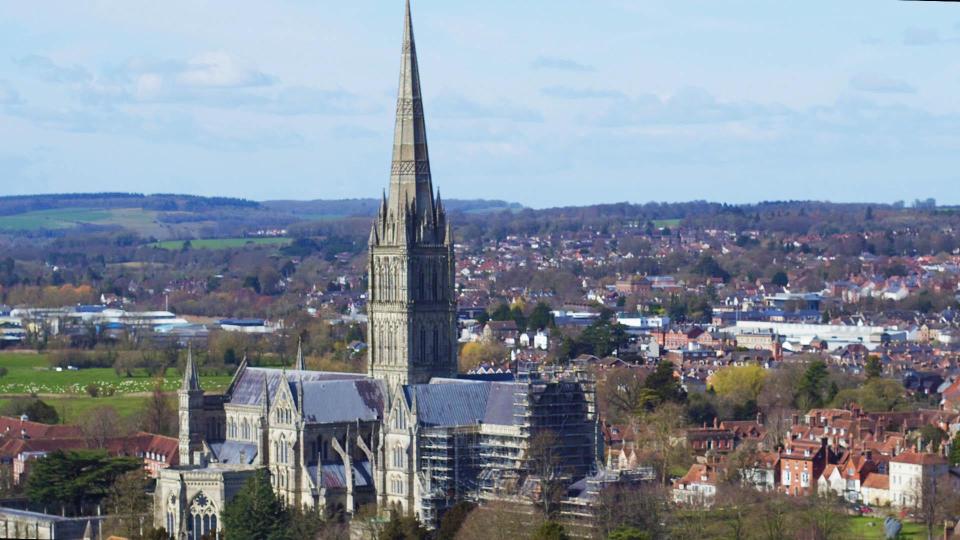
x: 66, y: 390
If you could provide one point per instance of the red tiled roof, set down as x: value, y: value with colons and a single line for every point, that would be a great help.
x: 17, y: 428
x: 915, y: 458
x: 877, y: 481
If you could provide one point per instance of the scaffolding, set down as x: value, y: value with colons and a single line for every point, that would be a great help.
x: 483, y: 462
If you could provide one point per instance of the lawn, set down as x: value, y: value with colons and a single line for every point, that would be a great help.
x: 72, y: 409
x: 870, y: 528
x: 223, y: 243
x: 31, y: 374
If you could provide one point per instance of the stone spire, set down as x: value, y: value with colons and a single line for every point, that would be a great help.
x: 409, y: 214
x: 300, y: 365
x: 191, y: 380
x: 410, y: 171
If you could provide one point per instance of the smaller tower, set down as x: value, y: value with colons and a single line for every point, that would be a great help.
x: 190, y: 405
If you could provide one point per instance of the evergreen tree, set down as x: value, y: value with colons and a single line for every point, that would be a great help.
x: 664, y: 386
x: 540, y: 317
x: 874, y: 367
x: 70, y: 479
x: 550, y: 530
x: 256, y: 513
x: 813, y: 385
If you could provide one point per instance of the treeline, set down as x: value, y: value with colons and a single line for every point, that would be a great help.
x: 18, y: 204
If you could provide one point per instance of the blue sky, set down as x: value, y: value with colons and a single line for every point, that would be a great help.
x: 542, y: 102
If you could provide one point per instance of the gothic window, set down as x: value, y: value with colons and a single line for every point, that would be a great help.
x: 203, y: 518
x: 436, y: 284
x: 398, y: 456
x: 436, y: 344
x: 423, y: 344
x: 246, y: 430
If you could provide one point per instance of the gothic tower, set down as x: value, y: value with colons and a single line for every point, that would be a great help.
x: 411, y: 332
x: 190, y: 405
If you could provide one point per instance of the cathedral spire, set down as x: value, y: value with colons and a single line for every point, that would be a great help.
x: 410, y: 171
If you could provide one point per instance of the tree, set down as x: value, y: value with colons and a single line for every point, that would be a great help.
x: 813, y: 386
x: 663, y: 386
x: 35, y: 410
x: 69, y: 479
x: 101, y: 424
x: 780, y: 279
x: 620, y: 393
x: 622, y: 508
x: 873, y: 368
x: 128, y: 505
x: 739, y: 383
x: 657, y: 432
x: 545, y: 463
x: 629, y: 533
x: 402, y: 527
x: 541, y: 317
x: 498, y: 520
x: 256, y: 513
x: 475, y: 353
x: 159, y: 415
x: 453, y: 519
x: 550, y: 530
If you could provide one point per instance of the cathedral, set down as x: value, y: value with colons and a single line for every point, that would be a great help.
x: 409, y: 435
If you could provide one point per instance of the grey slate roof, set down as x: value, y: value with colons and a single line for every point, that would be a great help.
x: 333, y: 475
x: 229, y: 452
x: 342, y: 401
x: 248, y: 388
x: 449, y: 403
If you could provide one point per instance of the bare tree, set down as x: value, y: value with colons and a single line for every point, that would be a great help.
x: 547, y: 471
x: 934, y: 503
x: 642, y: 506
x: 499, y: 520
x: 101, y: 424
x: 659, y: 435
x: 159, y: 415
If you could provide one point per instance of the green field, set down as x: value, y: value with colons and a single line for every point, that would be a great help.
x: 670, y: 223
x: 870, y: 528
x: 223, y: 243
x: 63, y: 218
x: 32, y: 374
x: 73, y: 409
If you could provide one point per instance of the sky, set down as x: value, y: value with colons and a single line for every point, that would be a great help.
x: 542, y: 102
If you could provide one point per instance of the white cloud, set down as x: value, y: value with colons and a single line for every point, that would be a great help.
x: 880, y: 84
x: 48, y: 70
x: 565, y: 92
x: 220, y: 70
x: 561, y: 64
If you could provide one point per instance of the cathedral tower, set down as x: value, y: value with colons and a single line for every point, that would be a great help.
x: 411, y: 332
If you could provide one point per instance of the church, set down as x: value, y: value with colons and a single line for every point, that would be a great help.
x: 410, y: 435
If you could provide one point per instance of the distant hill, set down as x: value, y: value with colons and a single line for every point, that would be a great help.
x: 171, y: 216
x: 326, y: 209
